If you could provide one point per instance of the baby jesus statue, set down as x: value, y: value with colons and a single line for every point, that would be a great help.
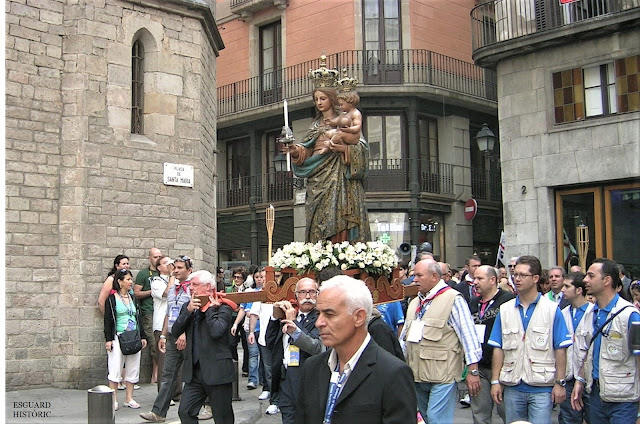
x: 346, y: 127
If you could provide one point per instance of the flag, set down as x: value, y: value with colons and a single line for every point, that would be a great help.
x: 503, y: 241
x: 569, y: 251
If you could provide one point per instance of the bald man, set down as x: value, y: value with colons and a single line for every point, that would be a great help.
x: 142, y: 291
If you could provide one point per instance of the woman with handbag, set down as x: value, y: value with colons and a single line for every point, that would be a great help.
x: 124, y: 336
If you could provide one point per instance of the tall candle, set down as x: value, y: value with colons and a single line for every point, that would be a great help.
x: 286, y: 114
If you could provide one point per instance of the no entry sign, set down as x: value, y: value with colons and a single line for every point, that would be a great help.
x: 470, y: 209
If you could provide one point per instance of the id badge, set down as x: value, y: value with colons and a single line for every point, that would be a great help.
x: 131, y: 325
x: 174, y: 312
x: 480, y: 330
x: 414, y: 334
x: 294, y: 356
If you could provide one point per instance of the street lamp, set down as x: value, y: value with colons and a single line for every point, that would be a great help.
x: 280, y: 162
x: 485, y: 139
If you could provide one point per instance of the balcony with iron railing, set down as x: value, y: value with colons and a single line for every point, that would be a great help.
x: 504, y: 28
x: 384, y: 175
x: 415, y: 68
x: 486, y: 185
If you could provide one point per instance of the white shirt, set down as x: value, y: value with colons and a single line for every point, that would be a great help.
x: 332, y: 362
x: 264, y: 311
x: 158, y: 286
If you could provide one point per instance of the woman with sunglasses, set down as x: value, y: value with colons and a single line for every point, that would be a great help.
x: 120, y: 262
x: 122, y: 315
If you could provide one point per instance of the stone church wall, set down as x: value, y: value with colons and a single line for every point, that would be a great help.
x: 80, y: 188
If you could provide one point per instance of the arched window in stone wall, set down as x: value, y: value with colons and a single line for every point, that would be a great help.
x: 137, y: 88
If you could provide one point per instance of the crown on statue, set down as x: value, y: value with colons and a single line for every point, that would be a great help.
x: 346, y: 83
x: 323, y: 77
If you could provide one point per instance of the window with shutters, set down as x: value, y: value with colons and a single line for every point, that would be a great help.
x: 598, y: 90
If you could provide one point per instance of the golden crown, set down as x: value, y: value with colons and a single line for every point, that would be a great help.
x: 323, y: 77
x: 346, y: 83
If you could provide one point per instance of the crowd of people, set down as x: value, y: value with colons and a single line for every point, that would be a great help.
x: 330, y: 355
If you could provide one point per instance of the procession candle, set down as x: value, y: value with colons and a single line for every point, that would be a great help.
x: 286, y: 114
x: 288, y: 162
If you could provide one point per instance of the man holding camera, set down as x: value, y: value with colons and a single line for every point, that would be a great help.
x: 208, y: 366
x: 292, y: 337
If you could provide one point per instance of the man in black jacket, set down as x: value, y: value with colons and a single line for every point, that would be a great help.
x: 356, y: 381
x: 208, y: 367
x: 484, y: 310
x: 292, y: 339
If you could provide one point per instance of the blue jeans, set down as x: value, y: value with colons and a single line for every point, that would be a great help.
x: 533, y: 407
x: 436, y: 402
x: 611, y: 412
x: 265, y: 363
x: 254, y: 360
x: 567, y: 414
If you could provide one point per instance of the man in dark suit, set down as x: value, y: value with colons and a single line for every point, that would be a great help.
x: 467, y: 286
x: 208, y: 367
x: 556, y: 280
x: 292, y: 338
x: 356, y: 381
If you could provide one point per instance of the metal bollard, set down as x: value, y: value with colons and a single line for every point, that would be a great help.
x: 100, y: 405
x: 235, y: 386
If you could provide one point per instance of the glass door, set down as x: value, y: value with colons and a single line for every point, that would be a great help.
x: 622, y: 223
x: 575, y: 210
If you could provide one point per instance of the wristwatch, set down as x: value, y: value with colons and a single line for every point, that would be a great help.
x: 561, y: 382
x: 474, y: 372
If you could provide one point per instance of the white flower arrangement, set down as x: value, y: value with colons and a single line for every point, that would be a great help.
x: 374, y: 257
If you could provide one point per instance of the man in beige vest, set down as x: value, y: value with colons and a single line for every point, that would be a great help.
x: 439, y: 329
x: 612, y: 367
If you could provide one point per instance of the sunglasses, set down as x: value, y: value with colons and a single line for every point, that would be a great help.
x: 186, y: 260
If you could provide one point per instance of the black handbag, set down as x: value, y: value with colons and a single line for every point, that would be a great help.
x: 130, y: 342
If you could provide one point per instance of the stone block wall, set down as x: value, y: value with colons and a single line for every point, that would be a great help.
x: 537, y: 155
x: 80, y: 188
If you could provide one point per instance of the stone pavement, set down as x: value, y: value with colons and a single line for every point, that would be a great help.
x: 67, y: 406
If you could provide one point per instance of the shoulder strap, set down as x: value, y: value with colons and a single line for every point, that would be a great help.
x: 112, y: 307
x: 599, y: 330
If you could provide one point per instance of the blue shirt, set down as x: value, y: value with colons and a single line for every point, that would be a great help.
x: 561, y: 338
x: 392, y: 314
x: 576, y: 315
x: 600, y: 317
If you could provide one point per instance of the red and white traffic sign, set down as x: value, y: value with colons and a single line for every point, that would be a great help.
x: 470, y: 209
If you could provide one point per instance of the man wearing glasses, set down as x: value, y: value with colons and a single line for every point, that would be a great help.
x: 530, y: 339
x: 292, y: 339
x: 220, y: 286
x: 511, y: 269
x: 173, y: 347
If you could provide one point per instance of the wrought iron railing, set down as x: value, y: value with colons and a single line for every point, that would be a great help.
x: 486, y: 185
x: 384, y: 175
x: 272, y: 187
x: 500, y: 20
x: 390, y: 67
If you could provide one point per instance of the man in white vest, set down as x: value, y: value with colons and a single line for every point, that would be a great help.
x: 579, y: 319
x: 530, y: 338
x: 612, y: 369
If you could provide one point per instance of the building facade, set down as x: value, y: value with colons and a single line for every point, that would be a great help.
x: 99, y: 96
x: 569, y: 112
x: 422, y: 102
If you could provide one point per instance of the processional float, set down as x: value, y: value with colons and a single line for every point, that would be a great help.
x: 384, y: 287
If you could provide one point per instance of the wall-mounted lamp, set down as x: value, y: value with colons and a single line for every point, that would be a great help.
x: 486, y: 139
